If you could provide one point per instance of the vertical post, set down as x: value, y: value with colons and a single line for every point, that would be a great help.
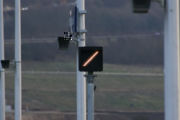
x: 90, y: 101
x: 90, y: 80
x: 81, y: 82
x: 171, y: 61
x: 18, y: 90
x: 2, y: 71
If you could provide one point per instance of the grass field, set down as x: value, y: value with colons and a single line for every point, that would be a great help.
x: 114, y: 92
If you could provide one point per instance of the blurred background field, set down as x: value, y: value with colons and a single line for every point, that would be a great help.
x: 132, y: 80
x: 52, y: 86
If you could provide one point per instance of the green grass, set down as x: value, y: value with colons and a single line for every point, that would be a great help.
x: 58, y: 92
x: 132, y: 68
x: 130, y: 93
x: 49, y: 66
x: 66, y: 66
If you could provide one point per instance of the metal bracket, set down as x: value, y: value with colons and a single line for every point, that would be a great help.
x: 90, y: 77
x: 82, y: 12
x: 81, y: 39
x: 15, y: 62
x: 83, y: 31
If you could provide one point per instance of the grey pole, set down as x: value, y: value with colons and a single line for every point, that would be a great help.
x: 18, y: 76
x: 2, y: 71
x: 90, y: 84
x: 172, y: 60
x: 81, y: 82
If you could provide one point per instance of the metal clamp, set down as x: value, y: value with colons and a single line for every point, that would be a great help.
x: 90, y: 77
x: 83, y: 31
x: 81, y: 39
x: 82, y: 12
x: 17, y: 62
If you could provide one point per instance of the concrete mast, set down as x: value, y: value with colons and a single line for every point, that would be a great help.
x: 81, y: 82
x: 18, y: 75
x: 172, y: 60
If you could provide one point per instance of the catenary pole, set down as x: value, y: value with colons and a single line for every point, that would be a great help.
x: 81, y: 82
x: 2, y: 71
x: 171, y: 61
x: 18, y: 92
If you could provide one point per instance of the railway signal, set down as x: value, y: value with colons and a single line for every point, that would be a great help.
x: 5, y: 63
x: 73, y: 34
x: 143, y: 6
x: 90, y: 59
x: 63, y: 42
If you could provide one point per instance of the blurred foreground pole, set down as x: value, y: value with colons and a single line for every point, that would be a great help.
x: 172, y: 60
x: 2, y: 74
x: 81, y: 82
x: 18, y: 92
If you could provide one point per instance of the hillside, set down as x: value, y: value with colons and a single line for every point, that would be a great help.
x: 49, y: 18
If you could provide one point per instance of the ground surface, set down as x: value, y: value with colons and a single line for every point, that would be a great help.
x: 52, y: 86
x: 45, y: 115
